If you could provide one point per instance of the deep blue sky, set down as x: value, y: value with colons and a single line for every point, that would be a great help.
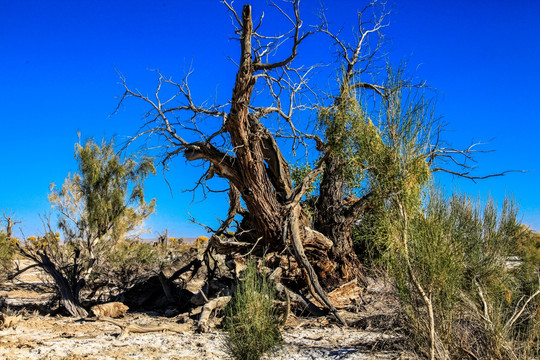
x: 57, y: 77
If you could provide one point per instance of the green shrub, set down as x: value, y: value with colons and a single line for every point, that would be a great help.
x: 457, y: 253
x: 252, y: 324
x: 7, y: 253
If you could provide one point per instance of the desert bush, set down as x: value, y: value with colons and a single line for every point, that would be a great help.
x: 176, y: 242
x: 129, y: 262
x: 200, y: 243
x: 528, y: 257
x: 252, y: 324
x: 7, y: 253
x: 97, y: 207
x: 455, y: 283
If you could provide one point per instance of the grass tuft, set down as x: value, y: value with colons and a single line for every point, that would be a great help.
x: 252, y: 324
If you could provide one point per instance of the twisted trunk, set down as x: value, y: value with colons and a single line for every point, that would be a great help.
x: 252, y: 181
x: 69, y: 294
x: 261, y: 175
x: 334, y: 221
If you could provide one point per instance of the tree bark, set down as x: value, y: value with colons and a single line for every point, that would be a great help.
x: 333, y: 221
x: 70, y: 300
x: 264, y: 180
x: 253, y: 181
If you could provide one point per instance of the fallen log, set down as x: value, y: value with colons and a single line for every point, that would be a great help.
x: 133, y: 328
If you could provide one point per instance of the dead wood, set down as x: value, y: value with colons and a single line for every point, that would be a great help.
x: 193, y: 266
x: 236, y: 263
x: 217, y: 303
x: 134, y: 328
x: 227, y: 247
x: 346, y: 294
x: 254, y: 166
x: 275, y: 275
x: 315, y: 287
x: 300, y: 302
x: 166, y: 285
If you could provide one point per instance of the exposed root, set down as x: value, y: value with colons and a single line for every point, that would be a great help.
x: 315, y: 287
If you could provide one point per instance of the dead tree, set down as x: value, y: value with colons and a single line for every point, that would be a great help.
x: 241, y: 148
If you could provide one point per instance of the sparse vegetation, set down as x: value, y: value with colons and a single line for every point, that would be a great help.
x: 97, y: 208
x: 129, y: 262
x: 252, y: 324
x: 467, y: 273
x: 450, y: 264
x: 7, y: 252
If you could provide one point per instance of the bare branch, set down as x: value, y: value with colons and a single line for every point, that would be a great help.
x: 297, y: 39
x: 377, y: 88
x: 467, y: 175
x: 21, y: 271
x: 233, y: 12
x: 359, y: 52
x: 302, y: 188
x: 234, y: 209
x: 517, y: 313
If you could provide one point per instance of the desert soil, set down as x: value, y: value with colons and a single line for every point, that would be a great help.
x: 56, y: 337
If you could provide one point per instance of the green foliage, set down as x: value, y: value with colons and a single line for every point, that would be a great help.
x: 350, y: 137
x: 371, y: 233
x: 252, y: 324
x: 447, y: 254
x: 386, y: 150
x: 436, y: 259
x: 105, y: 199
x: 528, y: 252
x: 394, y: 159
x: 457, y: 250
x: 99, y: 207
x: 8, y: 250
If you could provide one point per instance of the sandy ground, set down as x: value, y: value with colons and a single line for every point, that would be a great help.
x: 38, y: 337
x: 46, y: 337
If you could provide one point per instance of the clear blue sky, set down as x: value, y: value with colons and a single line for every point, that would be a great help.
x: 57, y: 77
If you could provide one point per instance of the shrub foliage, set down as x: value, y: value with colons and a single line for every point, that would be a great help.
x: 252, y: 324
x: 458, y: 253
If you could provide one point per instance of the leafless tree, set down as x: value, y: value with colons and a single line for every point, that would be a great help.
x: 242, y: 143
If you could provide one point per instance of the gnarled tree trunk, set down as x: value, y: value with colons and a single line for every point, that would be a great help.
x: 253, y: 164
x: 334, y: 218
x: 70, y: 295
